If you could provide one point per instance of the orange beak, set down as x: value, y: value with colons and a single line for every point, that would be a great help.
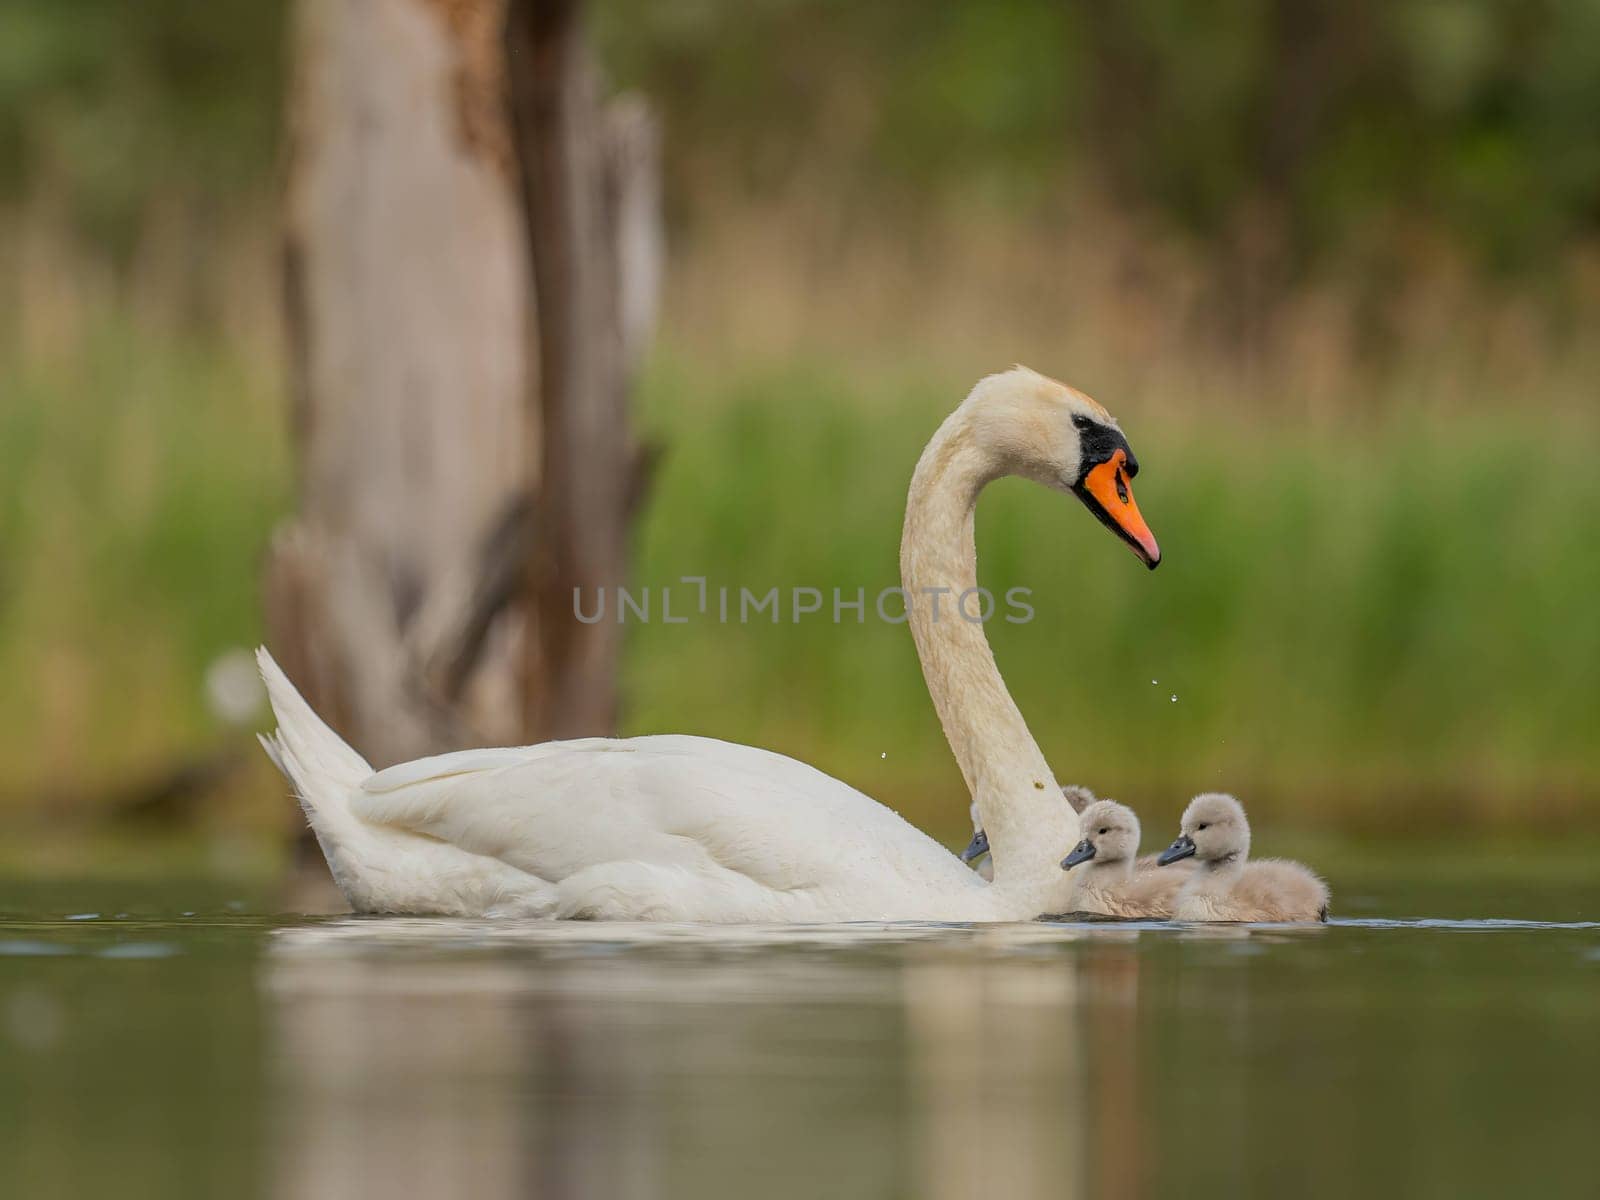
x: 1109, y: 494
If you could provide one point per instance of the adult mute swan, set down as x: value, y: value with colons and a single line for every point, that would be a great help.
x: 675, y: 828
x: 1228, y: 887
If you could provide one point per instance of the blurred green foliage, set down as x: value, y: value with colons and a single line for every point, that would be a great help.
x: 105, y: 105
x: 138, y: 485
x: 1316, y: 118
x: 1320, y: 120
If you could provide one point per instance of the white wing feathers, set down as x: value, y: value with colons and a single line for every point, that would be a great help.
x: 665, y: 828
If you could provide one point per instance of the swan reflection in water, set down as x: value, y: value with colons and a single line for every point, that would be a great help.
x: 417, y: 1056
x: 428, y: 1057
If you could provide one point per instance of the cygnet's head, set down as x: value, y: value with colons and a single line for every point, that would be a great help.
x: 1110, y: 833
x: 1078, y: 796
x: 1213, y: 830
x: 1037, y: 427
x: 979, y: 845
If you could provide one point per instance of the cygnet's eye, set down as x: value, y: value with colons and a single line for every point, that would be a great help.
x: 1198, y: 828
x: 1105, y: 831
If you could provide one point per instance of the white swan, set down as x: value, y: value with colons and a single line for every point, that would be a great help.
x: 693, y: 829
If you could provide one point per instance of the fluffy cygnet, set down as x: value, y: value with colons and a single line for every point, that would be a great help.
x: 1105, y: 862
x: 1227, y: 886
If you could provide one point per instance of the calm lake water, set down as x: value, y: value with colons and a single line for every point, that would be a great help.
x: 160, y: 1043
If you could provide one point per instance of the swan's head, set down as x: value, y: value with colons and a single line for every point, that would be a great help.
x: 1110, y: 834
x: 1034, y: 426
x: 1213, y: 830
x: 1078, y: 796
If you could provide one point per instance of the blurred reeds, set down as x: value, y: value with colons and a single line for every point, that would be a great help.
x: 1376, y: 603
x: 143, y: 460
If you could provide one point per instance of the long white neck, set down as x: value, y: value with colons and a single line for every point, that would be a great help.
x: 1028, y: 822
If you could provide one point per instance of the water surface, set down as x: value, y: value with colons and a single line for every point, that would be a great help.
x: 162, y: 1043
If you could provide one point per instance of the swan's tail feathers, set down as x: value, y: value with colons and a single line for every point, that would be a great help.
x: 324, y: 771
x: 304, y: 748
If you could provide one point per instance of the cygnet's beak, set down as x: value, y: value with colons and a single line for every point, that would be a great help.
x: 1082, y: 852
x: 1107, y: 491
x: 976, y: 848
x: 1182, y: 848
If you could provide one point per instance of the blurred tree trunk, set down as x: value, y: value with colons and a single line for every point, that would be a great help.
x: 400, y: 598
x: 589, y: 185
x: 406, y: 289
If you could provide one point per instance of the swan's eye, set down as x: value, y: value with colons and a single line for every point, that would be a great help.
x: 1081, y: 422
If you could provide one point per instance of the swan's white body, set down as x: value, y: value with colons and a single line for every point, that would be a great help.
x: 676, y: 828
x: 666, y: 828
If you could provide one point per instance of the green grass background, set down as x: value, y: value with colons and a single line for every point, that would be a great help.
x: 1373, y: 623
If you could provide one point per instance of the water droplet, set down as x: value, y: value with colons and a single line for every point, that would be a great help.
x: 83, y: 916
x: 1174, y: 697
x: 885, y: 754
